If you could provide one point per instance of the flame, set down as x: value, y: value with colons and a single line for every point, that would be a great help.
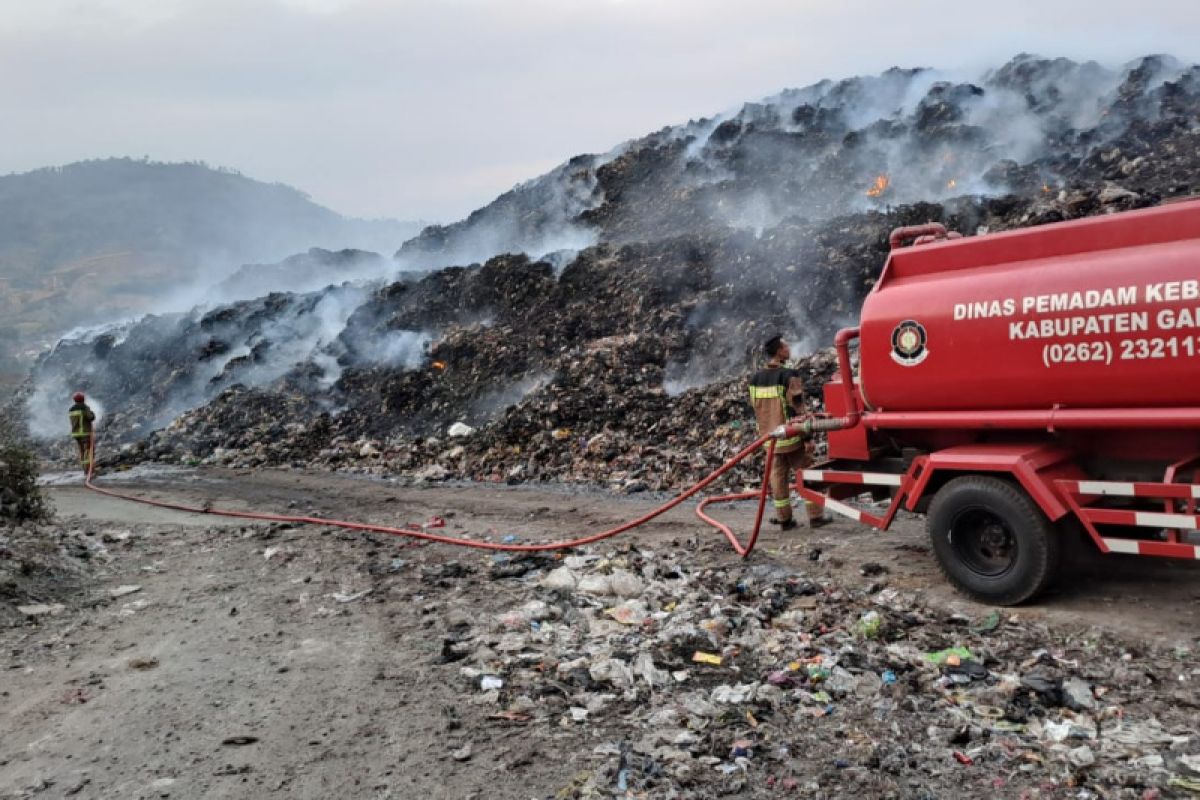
x: 1046, y: 188
x: 879, y: 187
x: 951, y: 184
x: 438, y: 365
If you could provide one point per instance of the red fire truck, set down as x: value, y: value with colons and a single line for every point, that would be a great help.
x: 1018, y: 387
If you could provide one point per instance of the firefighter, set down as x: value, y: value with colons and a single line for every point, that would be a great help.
x: 82, y: 419
x: 777, y: 394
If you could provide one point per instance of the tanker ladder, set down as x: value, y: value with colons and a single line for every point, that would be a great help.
x: 1172, y: 530
x: 1127, y: 512
x: 842, y: 484
x: 1135, y: 518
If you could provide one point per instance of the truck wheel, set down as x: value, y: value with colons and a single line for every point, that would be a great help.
x: 991, y: 540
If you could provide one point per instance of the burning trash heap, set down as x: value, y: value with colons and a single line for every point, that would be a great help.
x: 609, y: 311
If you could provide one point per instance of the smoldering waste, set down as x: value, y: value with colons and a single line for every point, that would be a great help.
x: 627, y: 367
x: 620, y: 359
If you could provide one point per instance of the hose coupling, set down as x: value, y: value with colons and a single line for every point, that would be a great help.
x: 810, y: 425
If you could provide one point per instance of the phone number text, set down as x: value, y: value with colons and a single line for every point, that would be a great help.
x: 1121, y: 350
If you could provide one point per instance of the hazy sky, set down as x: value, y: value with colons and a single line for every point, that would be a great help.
x: 429, y: 109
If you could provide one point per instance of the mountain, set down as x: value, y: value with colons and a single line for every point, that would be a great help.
x: 595, y: 323
x: 100, y: 240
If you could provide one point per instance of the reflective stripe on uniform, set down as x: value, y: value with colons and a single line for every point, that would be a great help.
x: 77, y: 424
x: 779, y: 393
x: 785, y: 503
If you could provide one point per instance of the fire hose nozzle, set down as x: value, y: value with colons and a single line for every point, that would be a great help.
x: 783, y: 432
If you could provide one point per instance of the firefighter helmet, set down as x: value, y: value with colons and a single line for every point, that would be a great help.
x: 78, y: 398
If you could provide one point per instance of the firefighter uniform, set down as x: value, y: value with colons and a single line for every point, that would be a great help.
x: 82, y: 417
x: 777, y: 395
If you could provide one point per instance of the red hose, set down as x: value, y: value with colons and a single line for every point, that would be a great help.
x: 722, y: 527
x: 761, y: 494
x: 512, y: 548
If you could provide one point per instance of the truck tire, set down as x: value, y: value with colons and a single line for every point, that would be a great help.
x: 991, y: 540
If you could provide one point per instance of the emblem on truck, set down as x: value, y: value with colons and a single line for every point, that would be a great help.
x: 908, y: 343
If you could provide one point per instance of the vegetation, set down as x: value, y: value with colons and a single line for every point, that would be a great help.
x: 20, y: 498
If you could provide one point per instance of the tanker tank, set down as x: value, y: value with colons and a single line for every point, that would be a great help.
x: 1101, y: 313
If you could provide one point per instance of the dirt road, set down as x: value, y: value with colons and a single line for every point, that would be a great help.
x: 1154, y: 598
x: 304, y: 661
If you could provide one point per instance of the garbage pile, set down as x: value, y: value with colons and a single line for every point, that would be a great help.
x: 521, y: 355
x: 590, y: 423
x: 627, y: 367
x: 1034, y: 126
x: 761, y: 681
x: 621, y: 360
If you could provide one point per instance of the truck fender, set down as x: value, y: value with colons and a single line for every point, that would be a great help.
x: 1035, y: 467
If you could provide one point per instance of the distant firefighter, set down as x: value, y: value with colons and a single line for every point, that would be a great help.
x: 82, y: 421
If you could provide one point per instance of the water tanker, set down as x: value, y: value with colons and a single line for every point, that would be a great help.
x: 1019, y: 386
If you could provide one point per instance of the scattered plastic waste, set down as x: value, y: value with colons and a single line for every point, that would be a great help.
x: 989, y: 623
x: 951, y: 655
x: 869, y: 624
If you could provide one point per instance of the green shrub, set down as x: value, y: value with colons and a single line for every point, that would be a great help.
x: 20, y: 497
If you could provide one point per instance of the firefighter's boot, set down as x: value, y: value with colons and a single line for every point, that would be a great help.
x: 816, y: 516
x: 783, y: 515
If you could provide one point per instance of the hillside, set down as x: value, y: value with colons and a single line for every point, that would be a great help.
x: 100, y: 240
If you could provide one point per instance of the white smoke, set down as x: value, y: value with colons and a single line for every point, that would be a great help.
x: 48, y: 406
x: 873, y: 130
x: 497, y: 400
x: 399, y: 349
x: 302, y: 330
x: 537, y: 218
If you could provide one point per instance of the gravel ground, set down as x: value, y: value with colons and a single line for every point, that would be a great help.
x: 309, y: 662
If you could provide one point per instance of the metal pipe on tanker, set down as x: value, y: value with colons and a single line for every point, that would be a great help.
x: 812, y: 425
x: 901, y: 235
x: 842, y: 344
